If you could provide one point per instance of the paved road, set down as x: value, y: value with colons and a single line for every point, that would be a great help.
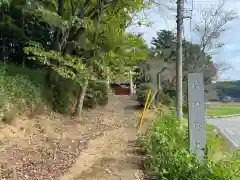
x: 229, y: 128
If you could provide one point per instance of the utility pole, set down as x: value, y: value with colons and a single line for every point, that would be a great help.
x: 179, y: 103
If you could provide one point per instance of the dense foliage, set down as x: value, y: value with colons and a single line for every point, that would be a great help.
x: 13, y: 87
x: 228, y: 88
x: 194, y: 60
x: 97, y: 94
x: 142, y: 92
x: 73, y: 42
x: 21, y: 89
x: 162, y: 60
x: 167, y: 156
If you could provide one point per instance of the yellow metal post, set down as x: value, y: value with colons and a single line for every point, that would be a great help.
x: 149, y: 104
x: 145, y: 106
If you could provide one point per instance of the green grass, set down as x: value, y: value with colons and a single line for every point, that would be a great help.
x: 218, y: 147
x: 20, y: 87
x: 167, y: 156
x: 221, y: 109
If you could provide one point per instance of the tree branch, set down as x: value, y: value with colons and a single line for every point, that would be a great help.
x: 215, y: 21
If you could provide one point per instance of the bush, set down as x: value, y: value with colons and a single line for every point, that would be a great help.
x: 163, y: 97
x: 28, y: 87
x: 36, y: 79
x: 17, y: 92
x: 167, y: 157
x: 138, y: 79
x: 18, y: 89
x: 142, y: 92
x: 62, y: 95
x: 97, y: 94
x: 166, y: 99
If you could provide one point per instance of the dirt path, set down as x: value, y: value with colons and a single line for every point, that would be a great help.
x: 111, y: 156
x: 53, y: 147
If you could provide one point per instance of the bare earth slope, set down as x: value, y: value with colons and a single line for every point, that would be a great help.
x: 51, y: 147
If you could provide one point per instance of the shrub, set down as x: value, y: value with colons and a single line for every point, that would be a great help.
x: 138, y: 79
x: 163, y: 97
x: 17, y: 92
x: 18, y: 89
x: 142, y: 92
x: 166, y: 99
x: 62, y: 94
x: 97, y: 94
x: 167, y: 157
x: 37, y: 88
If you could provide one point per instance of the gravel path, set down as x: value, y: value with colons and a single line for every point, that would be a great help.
x: 111, y: 156
x: 99, y: 147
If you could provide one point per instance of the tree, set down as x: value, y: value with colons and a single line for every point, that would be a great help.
x: 165, y: 46
x: 89, y: 39
x: 164, y: 40
x: 17, y: 27
x: 214, y: 21
x: 228, y: 88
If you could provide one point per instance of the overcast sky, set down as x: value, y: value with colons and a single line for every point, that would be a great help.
x: 230, y: 53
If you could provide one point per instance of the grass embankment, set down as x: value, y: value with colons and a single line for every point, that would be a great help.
x: 25, y: 89
x: 20, y: 88
x: 221, y: 109
x: 165, y: 146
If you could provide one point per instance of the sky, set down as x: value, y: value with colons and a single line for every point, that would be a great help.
x: 229, y: 54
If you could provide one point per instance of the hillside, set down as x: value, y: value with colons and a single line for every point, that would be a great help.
x: 48, y: 145
x: 39, y: 143
x: 228, y: 88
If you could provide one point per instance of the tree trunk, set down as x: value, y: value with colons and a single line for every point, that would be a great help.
x: 80, y: 99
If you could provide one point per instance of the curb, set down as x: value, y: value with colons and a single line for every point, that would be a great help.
x: 232, y: 144
x: 216, y: 117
